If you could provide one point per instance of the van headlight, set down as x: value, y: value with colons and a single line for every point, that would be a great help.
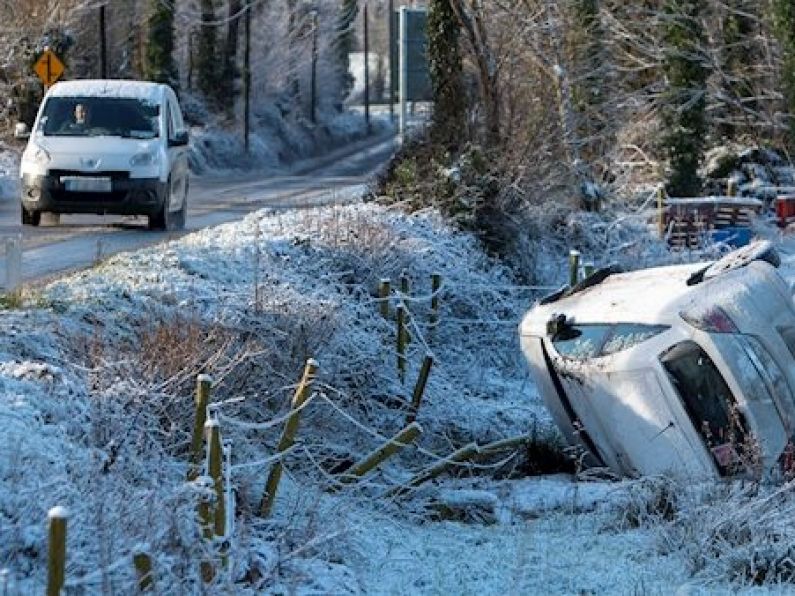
x: 144, y: 159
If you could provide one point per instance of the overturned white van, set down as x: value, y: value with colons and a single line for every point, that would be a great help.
x: 684, y: 370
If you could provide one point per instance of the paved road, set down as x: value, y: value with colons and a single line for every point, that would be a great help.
x: 78, y: 240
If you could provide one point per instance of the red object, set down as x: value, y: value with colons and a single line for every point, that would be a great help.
x: 785, y: 210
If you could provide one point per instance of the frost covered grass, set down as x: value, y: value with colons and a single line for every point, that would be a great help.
x: 98, y: 370
x: 98, y: 382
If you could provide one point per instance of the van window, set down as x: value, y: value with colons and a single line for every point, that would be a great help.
x: 585, y: 341
x: 171, y: 121
x: 708, y: 401
x: 767, y: 367
x: 99, y: 116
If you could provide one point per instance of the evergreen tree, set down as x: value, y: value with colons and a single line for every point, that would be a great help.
x: 449, y: 113
x: 784, y: 24
x: 207, y: 63
x: 684, y: 101
x: 159, y: 65
x: 344, y: 43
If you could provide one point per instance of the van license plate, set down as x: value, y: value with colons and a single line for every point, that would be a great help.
x: 86, y: 184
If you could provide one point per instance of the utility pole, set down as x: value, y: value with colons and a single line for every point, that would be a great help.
x: 103, y: 45
x: 313, y: 80
x: 392, y: 52
x: 247, y: 80
x: 403, y: 67
x: 366, y: 69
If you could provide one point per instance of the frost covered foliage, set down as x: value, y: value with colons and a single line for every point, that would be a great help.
x: 276, y: 140
x: 739, y: 534
x: 98, y: 379
x: 529, y: 226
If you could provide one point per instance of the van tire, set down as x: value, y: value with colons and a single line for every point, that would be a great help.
x: 179, y: 217
x: 164, y: 220
x: 30, y: 218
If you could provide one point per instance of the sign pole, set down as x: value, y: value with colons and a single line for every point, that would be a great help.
x: 366, y: 69
x: 391, y: 58
x: 403, y: 64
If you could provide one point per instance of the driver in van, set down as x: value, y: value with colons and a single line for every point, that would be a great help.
x: 79, y: 123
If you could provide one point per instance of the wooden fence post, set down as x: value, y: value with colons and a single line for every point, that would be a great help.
x: 404, y: 438
x: 457, y: 457
x: 203, y: 387
x: 56, y: 551
x: 383, y: 297
x: 215, y: 470
x: 574, y: 267
x: 400, y: 318
x: 419, y: 388
x: 143, y: 571
x: 302, y: 393
x: 405, y: 285
x: 204, y: 484
x: 731, y: 187
x: 661, y: 211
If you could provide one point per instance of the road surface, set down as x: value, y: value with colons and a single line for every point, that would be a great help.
x: 79, y: 240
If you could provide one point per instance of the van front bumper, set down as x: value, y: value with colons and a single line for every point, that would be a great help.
x: 127, y: 196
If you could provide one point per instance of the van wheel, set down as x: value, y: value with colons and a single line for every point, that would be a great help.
x: 162, y: 220
x: 30, y: 218
x: 179, y: 217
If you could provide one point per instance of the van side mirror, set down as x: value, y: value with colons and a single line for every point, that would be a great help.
x: 180, y: 139
x: 21, y: 131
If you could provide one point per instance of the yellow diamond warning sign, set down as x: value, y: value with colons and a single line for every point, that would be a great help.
x: 49, y: 67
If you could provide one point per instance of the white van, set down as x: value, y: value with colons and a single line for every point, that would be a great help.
x: 684, y: 370
x: 107, y: 146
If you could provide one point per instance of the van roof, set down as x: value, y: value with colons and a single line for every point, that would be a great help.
x: 144, y: 90
x: 651, y: 296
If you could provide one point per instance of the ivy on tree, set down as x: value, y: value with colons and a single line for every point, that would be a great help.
x: 684, y: 100
x: 159, y: 65
x: 449, y: 114
x: 784, y: 24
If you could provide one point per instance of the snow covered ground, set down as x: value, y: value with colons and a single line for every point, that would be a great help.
x: 97, y: 372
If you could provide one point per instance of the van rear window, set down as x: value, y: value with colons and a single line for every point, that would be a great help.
x: 582, y: 342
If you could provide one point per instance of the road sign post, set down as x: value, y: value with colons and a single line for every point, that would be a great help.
x: 49, y: 68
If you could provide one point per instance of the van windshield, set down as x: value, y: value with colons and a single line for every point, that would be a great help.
x: 100, y: 116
